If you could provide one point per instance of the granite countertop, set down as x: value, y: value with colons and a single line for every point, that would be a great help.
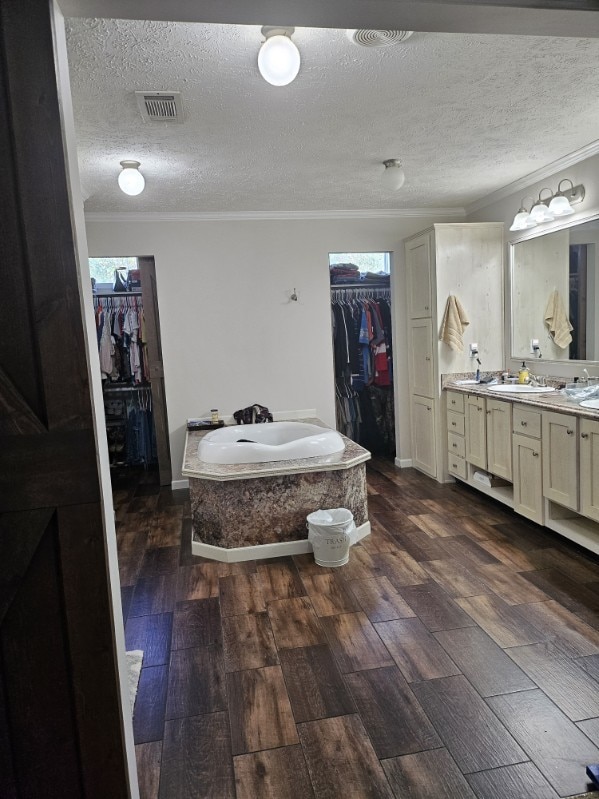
x: 555, y: 401
x: 194, y: 467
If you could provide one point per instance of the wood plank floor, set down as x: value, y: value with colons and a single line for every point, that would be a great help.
x: 456, y: 655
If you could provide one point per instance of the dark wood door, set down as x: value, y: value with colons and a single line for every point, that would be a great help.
x: 150, y: 302
x: 60, y: 726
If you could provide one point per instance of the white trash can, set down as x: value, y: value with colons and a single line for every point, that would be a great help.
x: 329, y: 532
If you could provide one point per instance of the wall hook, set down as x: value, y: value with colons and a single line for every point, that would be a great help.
x: 294, y: 297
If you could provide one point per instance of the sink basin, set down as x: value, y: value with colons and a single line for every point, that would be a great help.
x: 517, y: 388
x: 594, y: 404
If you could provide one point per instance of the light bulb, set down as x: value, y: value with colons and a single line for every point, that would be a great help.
x: 278, y: 59
x: 131, y: 181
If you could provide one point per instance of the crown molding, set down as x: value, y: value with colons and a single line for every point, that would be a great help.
x: 521, y: 184
x: 245, y: 216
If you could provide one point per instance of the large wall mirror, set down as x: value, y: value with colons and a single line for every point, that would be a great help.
x: 555, y: 284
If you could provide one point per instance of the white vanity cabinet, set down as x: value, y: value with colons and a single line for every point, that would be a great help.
x: 499, y: 434
x: 422, y: 380
x: 548, y: 460
x: 419, y: 275
x: 424, y: 435
x: 464, y: 260
x: 456, y: 429
x: 589, y: 468
x: 560, y: 459
x: 476, y: 436
x: 527, y: 463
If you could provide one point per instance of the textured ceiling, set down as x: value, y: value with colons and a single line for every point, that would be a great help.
x: 467, y: 114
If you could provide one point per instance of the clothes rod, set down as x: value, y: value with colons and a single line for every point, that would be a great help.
x: 117, y: 294
x: 365, y: 286
x: 146, y: 387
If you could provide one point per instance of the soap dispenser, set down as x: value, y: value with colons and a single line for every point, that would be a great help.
x: 523, y: 373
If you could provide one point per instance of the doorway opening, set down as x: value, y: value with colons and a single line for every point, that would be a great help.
x: 363, y: 348
x: 129, y: 345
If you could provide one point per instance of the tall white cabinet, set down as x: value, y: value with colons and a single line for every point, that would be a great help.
x: 465, y: 260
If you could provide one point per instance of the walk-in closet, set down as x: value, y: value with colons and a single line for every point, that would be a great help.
x: 128, y: 335
x: 363, y: 349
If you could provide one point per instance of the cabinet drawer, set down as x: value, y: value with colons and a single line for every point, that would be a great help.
x: 455, y: 422
x: 455, y: 402
x: 527, y: 422
x: 456, y: 445
x: 457, y: 466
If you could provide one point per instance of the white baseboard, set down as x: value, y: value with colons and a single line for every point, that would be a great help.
x: 403, y: 463
x: 262, y: 551
x: 177, y: 485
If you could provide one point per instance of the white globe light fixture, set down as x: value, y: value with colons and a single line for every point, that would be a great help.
x: 393, y: 176
x: 560, y: 204
x: 278, y: 59
x: 131, y: 181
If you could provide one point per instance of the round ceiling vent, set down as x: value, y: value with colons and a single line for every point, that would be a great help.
x: 373, y: 38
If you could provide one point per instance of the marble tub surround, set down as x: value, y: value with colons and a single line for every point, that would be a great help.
x: 272, y: 510
x: 258, y: 510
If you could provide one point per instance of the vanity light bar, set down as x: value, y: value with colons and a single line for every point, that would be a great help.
x: 547, y: 209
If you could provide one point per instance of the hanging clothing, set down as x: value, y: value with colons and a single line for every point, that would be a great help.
x: 362, y: 350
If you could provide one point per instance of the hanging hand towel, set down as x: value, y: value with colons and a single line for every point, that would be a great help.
x: 557, y: 320
x: 453, y: 324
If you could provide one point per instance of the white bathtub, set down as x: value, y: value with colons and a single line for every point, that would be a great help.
x: 273, y: 441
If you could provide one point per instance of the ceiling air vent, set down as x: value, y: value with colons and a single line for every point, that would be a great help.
x: 160, y: 106
x: 374, y: 38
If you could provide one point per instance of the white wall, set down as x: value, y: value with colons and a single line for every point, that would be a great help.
x: 230, y: 335
x: 504, y: 209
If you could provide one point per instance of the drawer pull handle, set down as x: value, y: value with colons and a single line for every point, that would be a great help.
x: 455, y: 446
x: 524, y: 424
x: 584, y: 435
x: 428, y: 407
x: 455, y: 466
x: 453, y: 402
x: 535, y: 454
x: 570, y: 432
x: 427, y: 358
x: 488, y: 413
x: 453, y: 424
x: 426, y: 307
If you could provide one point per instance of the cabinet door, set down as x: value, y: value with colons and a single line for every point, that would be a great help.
x: 528, y: 477
x: 476, y: 440
x: 421, y: 358
x: 499, y: 438
x: 419, y: 255
x: 589, y: 468
x: 560, y: 459
x: 423, y: 435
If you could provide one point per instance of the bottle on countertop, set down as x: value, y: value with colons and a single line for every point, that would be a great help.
x: 523, y: 374
x: 214, y: 415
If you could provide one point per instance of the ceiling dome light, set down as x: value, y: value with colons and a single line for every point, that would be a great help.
x: 393, y: 176
x: 131, y: 181
x: 279, y: 58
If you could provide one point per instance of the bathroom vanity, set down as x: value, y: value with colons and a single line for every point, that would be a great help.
x: 542, y: 450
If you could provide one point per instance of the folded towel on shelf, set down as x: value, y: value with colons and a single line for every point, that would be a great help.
x: 453, y: 324
x: 557, y: 320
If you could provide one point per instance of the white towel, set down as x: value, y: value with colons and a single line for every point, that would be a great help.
x: 557, y: 320
x: 453, y: 324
